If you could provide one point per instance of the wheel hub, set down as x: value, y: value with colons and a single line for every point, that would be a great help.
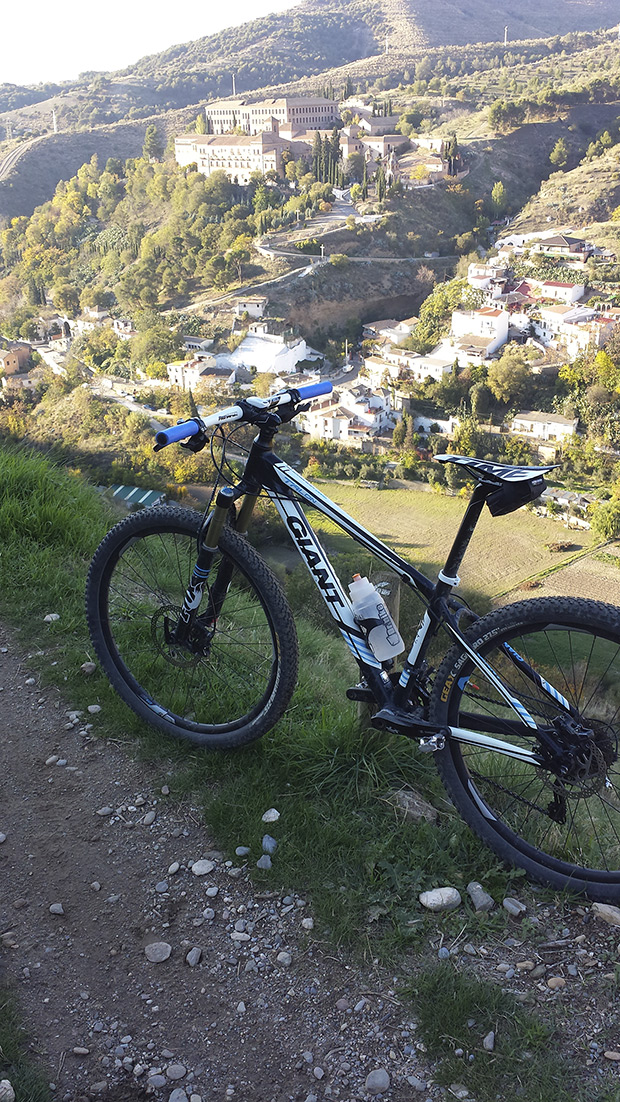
x: 189, y: 653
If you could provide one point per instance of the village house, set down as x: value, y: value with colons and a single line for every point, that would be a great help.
x: 388, y: 329
x: 9, y: 361
x: 477, y: 334
x: 351, y: 416
x: 187, y: 373
x: 252, y: 305
x: 200, y: 345
x: 539, y: 425
x: 553, y: 320
x: 276, y: 352
x: 124, y: 328
x: 561, y: 245
x: 561, y: 292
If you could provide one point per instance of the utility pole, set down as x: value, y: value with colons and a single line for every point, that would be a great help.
x: 505, y: 37
x: 233, y: 84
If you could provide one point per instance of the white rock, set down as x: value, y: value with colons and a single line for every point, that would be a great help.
x: 202, y: 868
x: 149, y: 818
x: 2, y: 838
x: 285, y: 959
x: 7, y: 1094
x: 307, y: 923
x: 57, y: 909
x: 174, y: 867
x: 241, y: 1008
x: 378, y: 1081
x: 193, y: 957
x: 607, y: 913
x: 88, y: 668
x: 440, y: 899
x: 104, y: 811
x: 94, y: 708
x: 488, y: 1042
x: 157, y: 951
x: 271, y: 816
x: 51, y: 618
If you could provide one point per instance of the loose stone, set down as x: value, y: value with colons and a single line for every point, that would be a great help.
x: 525, y: 965
x: 149, y: 818
x: 514, y: 906
x: 443, y: 953
x: 607, y: 913
x: 440, y: 899
x: 414, y: 807
x: 342, y: 1004
x: 269, y: 844
x: 94, y: 708
x: 174, y: 867
x: 212, y: 891
x: 104, y: 811
x: 87, y: 668
x: 307, y: 923
x: 80, y: 1051
x: 481, y: 900
x: 271, y: 816
x: 242, y: 851
x: 285, y: 959
x: 612, y: 1054
x: 377, y: 1082
x: 51, y: 618
x: 488, y: 1042
x: 178, y: 1095
x: 176, y: 1071
x: 240, y: 936
x: 57, y: 909
x: 161, y: 887
x: 241, y: 1008
x: 555, y: 982
x: 2, y: 838
x: 202, y: 868
x: 156, y: 1081
x: 157, y: 951
x: 193, y: 957
x: 7, y: 1094
x: 264, y: 862
x: 417, y: 1084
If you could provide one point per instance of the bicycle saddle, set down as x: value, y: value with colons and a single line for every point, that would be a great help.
x: 514, y: 486
x: 496, y: 472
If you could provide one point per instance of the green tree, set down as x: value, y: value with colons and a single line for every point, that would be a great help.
x: 559, y: 154
x: 508, y: 378
x: 200, y: 125
x: 153, y: 145
x: 605, y: 519
x: 498, y: 197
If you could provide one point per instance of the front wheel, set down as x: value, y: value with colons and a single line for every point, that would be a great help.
x: 233, y: 678
x: 562, y: 827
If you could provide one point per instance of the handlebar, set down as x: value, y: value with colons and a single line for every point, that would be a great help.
x: 184, y: 429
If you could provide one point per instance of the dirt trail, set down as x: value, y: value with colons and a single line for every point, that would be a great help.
x: 256, y: 1018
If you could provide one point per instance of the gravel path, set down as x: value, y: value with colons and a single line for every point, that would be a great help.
x: 136, y: 971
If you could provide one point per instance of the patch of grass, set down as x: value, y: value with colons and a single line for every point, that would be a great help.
x: 28, y: 1082
x: 456, y: 1011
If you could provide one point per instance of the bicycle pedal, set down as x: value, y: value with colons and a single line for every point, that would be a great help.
x: 361, y: 693
x: 410, y: 724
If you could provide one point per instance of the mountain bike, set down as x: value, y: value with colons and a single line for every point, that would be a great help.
x: 521, y: 714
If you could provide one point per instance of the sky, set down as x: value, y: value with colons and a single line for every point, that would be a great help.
x: 43, y: 41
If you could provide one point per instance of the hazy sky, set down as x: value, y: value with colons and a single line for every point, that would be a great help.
x: 42, y: 40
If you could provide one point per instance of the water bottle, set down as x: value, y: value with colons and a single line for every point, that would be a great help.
x: 371, y: 613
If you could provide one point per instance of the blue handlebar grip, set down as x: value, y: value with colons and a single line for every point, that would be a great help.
x: 177, y: 432
x: 314, y: 389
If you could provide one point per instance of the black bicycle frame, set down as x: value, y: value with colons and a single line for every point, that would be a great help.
x: 287, y: 489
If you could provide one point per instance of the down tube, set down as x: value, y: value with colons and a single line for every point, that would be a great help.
x: 325, y: 579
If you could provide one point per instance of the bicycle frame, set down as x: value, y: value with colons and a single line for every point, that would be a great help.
x: 287, y: 489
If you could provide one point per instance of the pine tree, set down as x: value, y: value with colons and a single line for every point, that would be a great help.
x: 317, y: 156
x: 380, y: 182
x: 365, y: 181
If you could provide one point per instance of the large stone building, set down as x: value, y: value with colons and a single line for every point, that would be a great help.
x: 238, y: 155
x: 300, y: 112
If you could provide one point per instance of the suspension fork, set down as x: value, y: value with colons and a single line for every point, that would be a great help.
x: 207, y: 547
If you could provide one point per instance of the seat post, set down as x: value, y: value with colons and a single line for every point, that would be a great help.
x: 463, y: 536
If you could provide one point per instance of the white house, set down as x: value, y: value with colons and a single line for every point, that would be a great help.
x: 351, y: 416
x: 252, y: 305
x: 187, y: 373
x: 487, y: 277
x: 561, y: 292
x: 543, y: 426
x: 553, y: 320
x: 488, y: 324
x: 273, y: 352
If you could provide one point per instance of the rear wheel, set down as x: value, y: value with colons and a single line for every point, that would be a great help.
x: 234, y: 677
x: 564, y: 829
